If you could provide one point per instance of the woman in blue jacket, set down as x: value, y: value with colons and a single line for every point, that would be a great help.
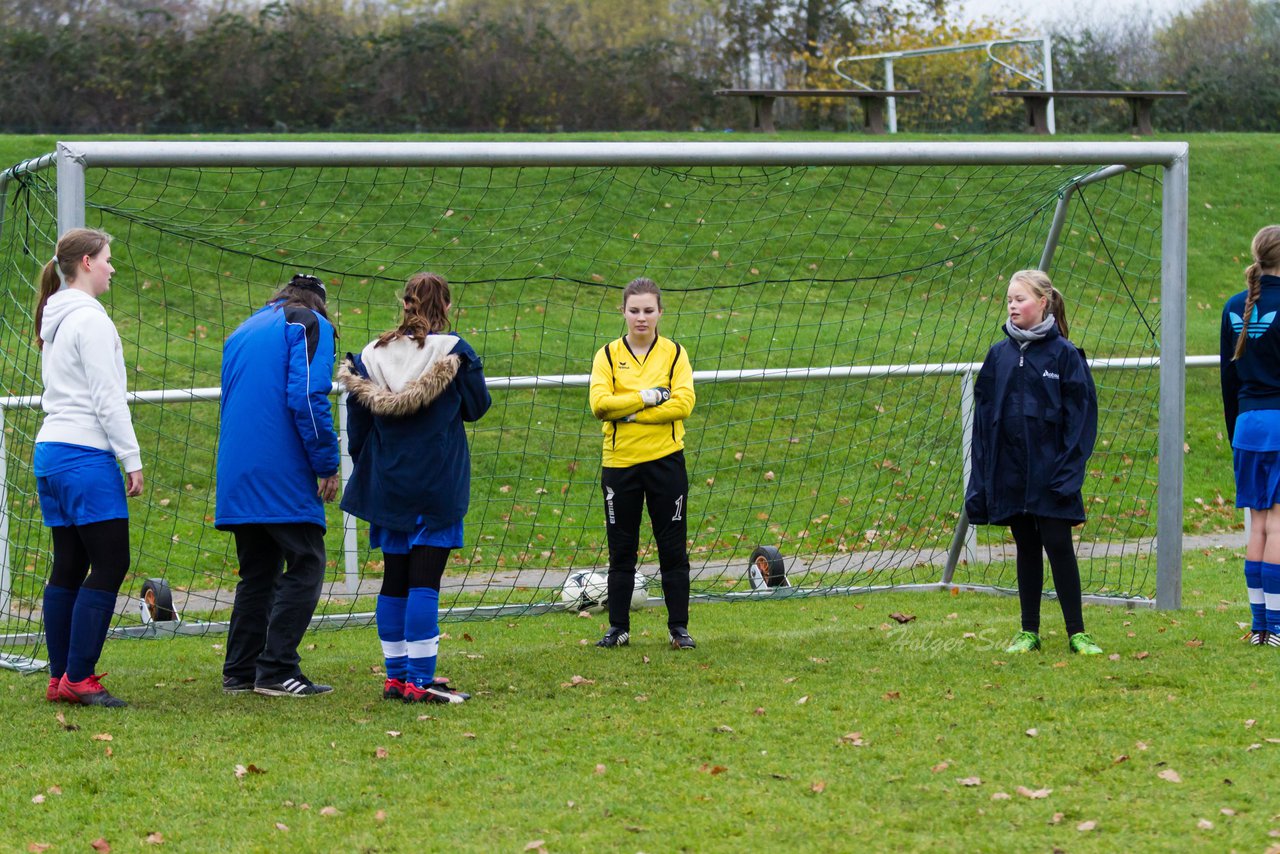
x: 408, y: 394
x: 1034, y: 424
x: 1250, y: 367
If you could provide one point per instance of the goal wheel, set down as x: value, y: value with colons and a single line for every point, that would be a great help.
x: 157, y: 601
x: 767, y: 569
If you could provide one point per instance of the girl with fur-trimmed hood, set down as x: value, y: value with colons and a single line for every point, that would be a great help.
x: 408, y: 394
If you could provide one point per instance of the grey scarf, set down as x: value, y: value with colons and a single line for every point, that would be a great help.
x: 1024, y: 337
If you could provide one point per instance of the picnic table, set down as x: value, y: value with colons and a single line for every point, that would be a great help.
x: 872, y: 101
x: 1037, y: 103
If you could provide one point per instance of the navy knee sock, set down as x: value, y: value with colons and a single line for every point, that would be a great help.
x: 89, y: 623
x: 59, y: 602
x: 390, y: 612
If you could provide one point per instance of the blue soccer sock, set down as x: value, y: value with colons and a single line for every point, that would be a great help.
x: 89, y: 623
x: 390, y: 612
x: 422, y: 634
x: 1257, y: 599
x: 1271, y: 595
x: 59, y: 602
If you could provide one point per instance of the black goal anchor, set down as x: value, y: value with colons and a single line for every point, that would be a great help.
x: 157, y: 602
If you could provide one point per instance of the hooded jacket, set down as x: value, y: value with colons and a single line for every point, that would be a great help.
x: 82, y: 366
x: 405, y: 409
x: 276, y: 435
x: 1035, y: 421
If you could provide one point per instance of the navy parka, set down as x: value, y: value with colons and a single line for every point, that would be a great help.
x: 412, y: 466
x: 1035, y: 421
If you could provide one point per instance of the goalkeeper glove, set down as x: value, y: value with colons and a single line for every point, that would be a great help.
x: 655, y: 396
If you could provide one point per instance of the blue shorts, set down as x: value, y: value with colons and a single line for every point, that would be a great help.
x: 401, y: 542
x: 90, y: 491
x: 1257, y: 478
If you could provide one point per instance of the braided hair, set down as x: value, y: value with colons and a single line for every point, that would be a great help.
x: 426, y: 309
x: 1266, y: 256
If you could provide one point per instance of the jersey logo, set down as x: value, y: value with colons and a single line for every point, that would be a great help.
x: 1051, y: 375
x: 608, y: 504
x: 1257, y: 326
x: 622, y: 366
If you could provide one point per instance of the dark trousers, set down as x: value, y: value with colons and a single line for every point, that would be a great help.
x: 274, y: 604
x: 1036, y: 536
x: 662, y: 485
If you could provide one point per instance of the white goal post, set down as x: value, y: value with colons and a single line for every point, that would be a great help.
x: 1095, y: 162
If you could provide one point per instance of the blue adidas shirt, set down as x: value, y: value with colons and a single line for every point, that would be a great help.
x: 1252, y: 382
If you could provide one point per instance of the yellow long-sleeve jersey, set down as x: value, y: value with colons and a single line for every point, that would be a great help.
x: 617, y: 378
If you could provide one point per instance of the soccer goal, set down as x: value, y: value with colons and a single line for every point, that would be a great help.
x: 836, y: 300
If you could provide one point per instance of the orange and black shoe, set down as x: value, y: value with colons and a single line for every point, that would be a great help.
x: 51, y: 693
x: 88, y: 692
x: 433, y: 694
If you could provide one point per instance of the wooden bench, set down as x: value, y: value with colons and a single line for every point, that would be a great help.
x: 1037, y: 102
x: 872, y: 101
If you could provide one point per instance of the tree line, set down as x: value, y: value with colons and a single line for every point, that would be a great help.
x: 155, y: 66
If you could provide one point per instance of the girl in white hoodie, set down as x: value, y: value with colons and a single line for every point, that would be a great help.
x: 86, y: 430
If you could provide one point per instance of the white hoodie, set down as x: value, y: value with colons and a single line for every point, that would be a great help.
x: 82, y: 365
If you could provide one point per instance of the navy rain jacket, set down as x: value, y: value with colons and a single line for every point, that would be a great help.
x: 412, y: 463
x: 1034, y: 424
x: 275, y: 434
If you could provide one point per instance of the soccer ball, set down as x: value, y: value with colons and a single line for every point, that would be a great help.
x: 585, y: 591
x: 639, y: 594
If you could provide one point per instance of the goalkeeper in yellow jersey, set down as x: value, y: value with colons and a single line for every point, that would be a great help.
x: 642, y: 391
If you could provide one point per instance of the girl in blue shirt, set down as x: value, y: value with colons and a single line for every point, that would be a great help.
x: 1250, y: 373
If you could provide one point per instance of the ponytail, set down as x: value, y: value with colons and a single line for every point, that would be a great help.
x: 72, y: 246
x: 1253, y: 279
x: 1058, y: 308
x: 426, y: 309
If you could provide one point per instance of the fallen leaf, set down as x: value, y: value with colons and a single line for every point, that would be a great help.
x: 1227, y: 811
x: 1086, y: 826
x: 940, y: 767
x: 1056, y: 818
x: 103, y: 736
x: 394, y: 733
x: 970, y: 781
x: 769, y: 475
x: 101, y: 845
x: 155, y: 838
x: 893, y: 695
x: 1195, y: 643
x: 242, y: 771
x: 536, y: 845
x: 724, y: 728
x: 818, y: 787
x: 712, y: 769
x: 1247, y: 724
x: 468, y: 638
x: 1034, y: 794
x: 802, y: 700
x: 600, y: 769
x: 380, y: 815
x: 1033, y: 732
x: 280, y: 825
x: 1141, y: 655
x: 1000, y: 796
x: 39, y: 847
x: 1123, y: 757
x: 468, y: 735
x: 1170, y: 775
x: 54, y: 790
x: 62, y: 719
x: 37, y: 799
x: 854, y: 738
x: 328, y: 811
x: 1204, y: 824
x: 381, y: 753
x: 902, y: 618
x: 759, y: 712
x: 576, y: 680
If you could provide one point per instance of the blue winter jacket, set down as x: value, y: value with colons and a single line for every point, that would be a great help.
x: 276, y: 435
x: 1252, y: 382
x: 1034, y: 424
x: 412, y: 466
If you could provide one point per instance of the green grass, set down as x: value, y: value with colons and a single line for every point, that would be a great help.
x: 743, y: 744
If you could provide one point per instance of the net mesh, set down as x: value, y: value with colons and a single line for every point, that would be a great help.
x: 857, y: 480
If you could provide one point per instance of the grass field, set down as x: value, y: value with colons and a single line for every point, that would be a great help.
x: 819, y: 725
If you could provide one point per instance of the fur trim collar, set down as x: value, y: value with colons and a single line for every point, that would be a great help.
x: 417, y: 394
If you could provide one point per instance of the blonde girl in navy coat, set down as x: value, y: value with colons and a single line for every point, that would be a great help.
x: 1034, y: 424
